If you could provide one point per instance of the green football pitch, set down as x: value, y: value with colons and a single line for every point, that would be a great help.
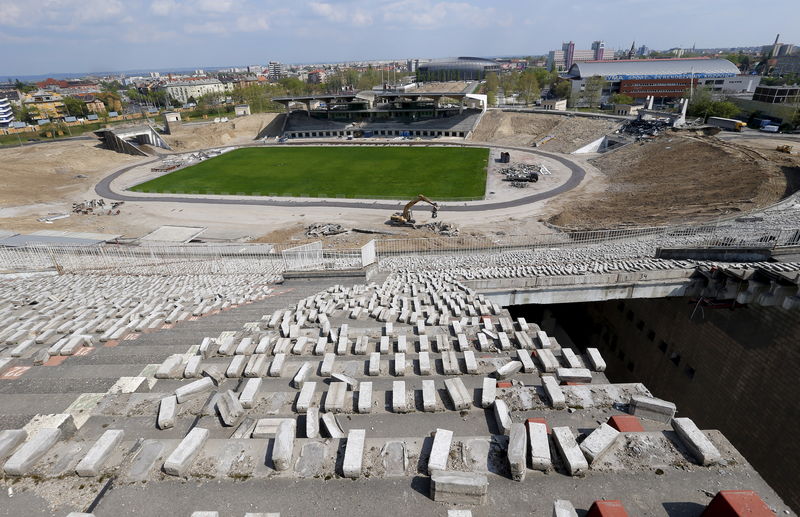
x: 440, y: 173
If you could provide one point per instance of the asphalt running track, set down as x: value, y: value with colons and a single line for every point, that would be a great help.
x: 577, y: 173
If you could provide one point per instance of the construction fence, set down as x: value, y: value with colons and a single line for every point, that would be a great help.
x: 274, y: 259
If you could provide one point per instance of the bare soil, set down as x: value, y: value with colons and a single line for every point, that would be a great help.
x: 676, y: 179
x: 241, y: 130
x: 524, y: 129
x: 450, y: 86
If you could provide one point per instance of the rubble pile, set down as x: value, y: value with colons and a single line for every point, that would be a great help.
x: 324, y: 229
x: 644, y: 128
x: 446, y: 229
x: 96, y: 207
x: 521, y: 172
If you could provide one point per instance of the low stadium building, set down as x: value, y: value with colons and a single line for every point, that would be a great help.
x: 458, y: 69
x: 382, y: 114
x: 661, y: 78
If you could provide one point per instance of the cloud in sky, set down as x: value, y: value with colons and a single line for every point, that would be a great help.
x: 85, y: 35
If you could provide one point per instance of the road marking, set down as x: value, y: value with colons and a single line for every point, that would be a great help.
x: 86, y: 350
x: 55, y: 360
x: 131, y: 337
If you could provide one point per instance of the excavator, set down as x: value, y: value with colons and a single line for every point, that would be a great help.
x: 406, y: 216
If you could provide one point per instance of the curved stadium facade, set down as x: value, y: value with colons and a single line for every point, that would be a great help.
x: 458, y: 69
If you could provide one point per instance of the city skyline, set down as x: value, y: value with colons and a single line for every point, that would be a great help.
x: 93, y: 36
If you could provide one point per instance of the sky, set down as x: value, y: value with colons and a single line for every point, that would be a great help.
x: 59, y: 36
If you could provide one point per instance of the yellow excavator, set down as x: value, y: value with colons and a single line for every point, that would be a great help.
x: 407, y: 217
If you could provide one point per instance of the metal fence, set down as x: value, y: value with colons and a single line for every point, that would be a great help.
x: 266, y: 258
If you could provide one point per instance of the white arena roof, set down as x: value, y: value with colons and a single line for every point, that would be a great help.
x: 654, y: 69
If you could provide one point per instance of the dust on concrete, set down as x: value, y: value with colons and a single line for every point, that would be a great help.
x: 525, y: 129
x: 674, y: 179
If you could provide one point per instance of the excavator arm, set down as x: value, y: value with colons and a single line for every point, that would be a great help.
x: 406, y: 217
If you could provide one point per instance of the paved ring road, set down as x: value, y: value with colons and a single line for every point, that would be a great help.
x: 577, y: 173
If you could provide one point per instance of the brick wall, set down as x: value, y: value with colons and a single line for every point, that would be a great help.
x: 737, y: 371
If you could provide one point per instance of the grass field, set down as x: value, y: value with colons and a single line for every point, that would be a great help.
x: 440, y: 173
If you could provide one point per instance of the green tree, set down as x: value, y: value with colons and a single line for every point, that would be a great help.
x: 75, y: 107
x: 491, y: 86
x: 528, y: 86
x: 704, y: 105
x: 562, y: 89
x: 621, y: 98
x: 24, y: 87
x: 593, y: 90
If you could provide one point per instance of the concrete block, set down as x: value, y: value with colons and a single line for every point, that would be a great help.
x: 505, y: 343
x: 215, y: 373
x: 256, y: 365
x: 459, y: 487
x: 424, y: 344
x: 563, y: 508
x: 652, y: 408
x: 374, y: 367
x: 362, y: 342
x: 696, y: 441
x: 440, y: 452
x: 29, y: 452
x: 171, y: 368
x: 554, y: 392
x: 334, y: 399
x: 312, y: 423
x: 192, y: 369
x: 236, y: 367
x: 229, y: 408
x: 596, y: 360
x: 263, y: 344
x: 463, y: 343
x: 10, y: 439
x: 228, y: 346
x: 442, y: 343
x: 502, y: 416
x: 402, y: 344
x: 354, y: 453
x: 527, y: 363
x: 350, y: 382
x: 184, y: 455
x: 365, y: 397
x: 276, y: 367
x: 319, y: 348
x: 299, y: 345
x: 281, y: 346
x: 399, y: 365
x: 302, y: 374
x: 246, y: 347
x: 540, y: 447
x: 249, y: 395
x: 193, y: 389
x: 399, y: 398
x: 458, y: 393
x: 574, y: 375
x: 488, y: 392
x: 543, y: 339
x: 508, y: 370
x: 599, y: 442
x: 167, y: 410
x: 268, y: 427
x: 424, y: 363
x: 326, y: 369
x: 284, y: 445
x: 428, y: 395
x: 95, y: 458
x: 570, y: 358
x: 306, y: 397
x: 573, y: 458
x: 384, y: 345
x: 548, y: 361
x: 518, y: 451
x: 205, y: 514
x: 470, y: 362
x: 483, y: 343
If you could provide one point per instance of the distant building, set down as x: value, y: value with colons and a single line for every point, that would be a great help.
x: 785, y: 65
x: 45, y: 105
x: 6, y: 113
x: 562, y: 60
x: 183, y: 91
x: 95, y: 105
x: 458, y: 69
x: 554, y: 105
x: 316, y: 77
x: 660, y: 78
x: 242, y: 110
x: 778, y: 94
x: 275, y: 71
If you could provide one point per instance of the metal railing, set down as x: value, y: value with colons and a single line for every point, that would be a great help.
x: 267, y: 258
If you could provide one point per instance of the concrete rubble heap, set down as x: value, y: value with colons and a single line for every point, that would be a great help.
x: 153, y: 380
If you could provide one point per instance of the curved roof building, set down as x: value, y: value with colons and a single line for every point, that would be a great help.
x: 458, y: 69
x: 654, y: 69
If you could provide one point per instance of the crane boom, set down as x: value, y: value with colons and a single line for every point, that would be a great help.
x: 406, y: 216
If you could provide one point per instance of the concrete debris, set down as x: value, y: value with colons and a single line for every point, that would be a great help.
x: 324, y: 229
x: 521, y: 172
x: 446, y: 229
x: 644, y: 128
x: 96, y: 207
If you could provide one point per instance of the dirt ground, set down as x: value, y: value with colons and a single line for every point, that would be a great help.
x: 676, y: 179
x: 523, y: 129
x: 452, y: 86
x: 241, y: 130
x: 57, y: 172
